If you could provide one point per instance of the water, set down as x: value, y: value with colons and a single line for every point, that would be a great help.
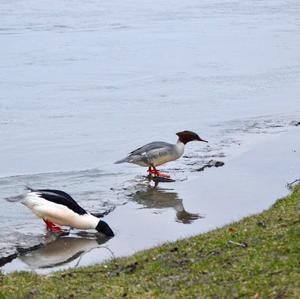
x: 82, y: 84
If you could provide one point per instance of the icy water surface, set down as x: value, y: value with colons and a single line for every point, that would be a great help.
x: 84, y: 83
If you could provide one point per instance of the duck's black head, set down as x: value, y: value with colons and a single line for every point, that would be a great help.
x: 104, y: 228
x: 187, y: 136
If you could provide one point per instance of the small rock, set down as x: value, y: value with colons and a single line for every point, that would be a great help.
x: 33, y: 292
x: 211, y: 163
x: 174, y: 249
x: 130, y: 268
x: 232, y: 230
x: 261, y: 224
x: 218, y: 163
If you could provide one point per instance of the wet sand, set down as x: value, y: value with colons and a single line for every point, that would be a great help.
x: 248, y: 183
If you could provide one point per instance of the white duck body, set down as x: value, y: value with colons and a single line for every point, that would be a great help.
x: 58, y: 213
x: 155, y: 154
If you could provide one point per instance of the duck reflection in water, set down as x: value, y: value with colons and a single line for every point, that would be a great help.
x: 64, y: 250
x: 159, y: 198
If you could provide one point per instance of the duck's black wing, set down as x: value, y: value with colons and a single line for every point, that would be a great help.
x: 61, y: 198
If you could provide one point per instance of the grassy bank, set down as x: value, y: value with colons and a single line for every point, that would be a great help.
x: 257, y: 257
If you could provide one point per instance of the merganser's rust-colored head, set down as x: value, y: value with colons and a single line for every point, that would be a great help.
x: 187, y: 136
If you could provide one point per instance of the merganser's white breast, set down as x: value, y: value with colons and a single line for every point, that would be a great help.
x: 179, y: 149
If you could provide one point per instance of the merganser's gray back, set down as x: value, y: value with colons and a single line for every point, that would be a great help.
x: 150, y: 146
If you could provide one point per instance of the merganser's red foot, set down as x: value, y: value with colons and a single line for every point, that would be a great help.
x: 163, y: 175
x: 53, y: 227
x: 155, y: 172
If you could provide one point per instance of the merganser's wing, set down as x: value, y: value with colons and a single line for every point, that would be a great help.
x: 150, y: 146
x: 62, y: 198
x: 158, y: 156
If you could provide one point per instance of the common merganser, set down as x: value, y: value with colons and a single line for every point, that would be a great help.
x: 56, y: 208
x: 157, y: 153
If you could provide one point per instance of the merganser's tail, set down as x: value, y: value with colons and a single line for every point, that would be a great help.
x: 125, y: 160
x: 20, y: 197
x: 17, y: 198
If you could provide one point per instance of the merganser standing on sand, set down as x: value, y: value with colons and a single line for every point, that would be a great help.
x: 56, y: 207
x: 157, y: 153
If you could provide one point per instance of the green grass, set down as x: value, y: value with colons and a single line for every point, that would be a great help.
x: 257, y: 257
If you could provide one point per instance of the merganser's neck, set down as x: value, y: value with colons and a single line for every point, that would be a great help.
x: 179, y: 142
x: 93, y: 220
x: 86, y: 221
x: 179, y: 146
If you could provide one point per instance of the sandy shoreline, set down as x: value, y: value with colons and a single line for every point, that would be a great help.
x: 247, y: 184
